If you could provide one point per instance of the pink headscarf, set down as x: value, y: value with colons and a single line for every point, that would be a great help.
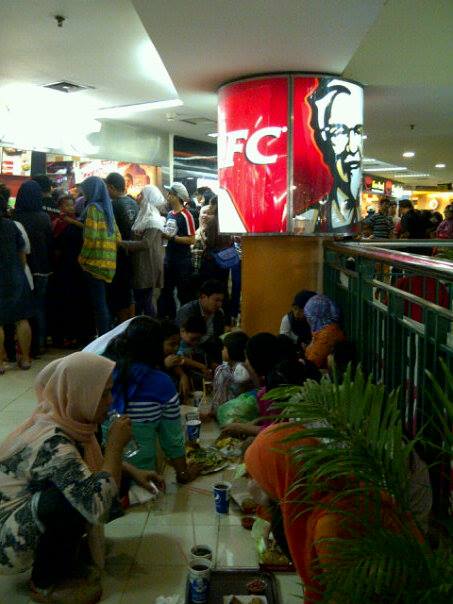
x: 68, y: 392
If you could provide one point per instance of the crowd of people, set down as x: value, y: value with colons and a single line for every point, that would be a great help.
x: 67, y: 460
x: 408, y: 223
x: 75, y: 263
x: 95, y: 261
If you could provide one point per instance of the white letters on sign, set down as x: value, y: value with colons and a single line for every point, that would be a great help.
x: 238, y: 141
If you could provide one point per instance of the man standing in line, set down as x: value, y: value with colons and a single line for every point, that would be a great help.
x: 178, y: 257
x: 125, y: 210
x: 381, y: 223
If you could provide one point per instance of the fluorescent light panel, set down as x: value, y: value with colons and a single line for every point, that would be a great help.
x: 123, y: 110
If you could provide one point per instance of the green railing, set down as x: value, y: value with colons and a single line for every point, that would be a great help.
x: 397, y: 309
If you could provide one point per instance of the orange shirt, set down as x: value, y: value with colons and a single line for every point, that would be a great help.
x: 323, y: 343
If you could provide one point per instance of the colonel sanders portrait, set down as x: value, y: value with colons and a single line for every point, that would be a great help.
x: 337, y: 121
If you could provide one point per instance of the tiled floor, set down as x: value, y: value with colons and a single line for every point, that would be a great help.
x: 147, y: 549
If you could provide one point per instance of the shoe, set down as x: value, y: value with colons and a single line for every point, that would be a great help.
x: 73, y: 591
x: 24, y: 365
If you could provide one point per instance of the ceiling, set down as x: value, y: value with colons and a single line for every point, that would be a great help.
x: 400, y: 49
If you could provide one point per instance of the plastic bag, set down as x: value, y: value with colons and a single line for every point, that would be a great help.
x: 242, y: 409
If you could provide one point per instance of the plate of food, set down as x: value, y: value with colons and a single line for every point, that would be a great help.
x: 229, y: 446
x: 209, y: 459
x: 244, y: 600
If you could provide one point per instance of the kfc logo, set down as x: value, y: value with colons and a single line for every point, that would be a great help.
x: 325, y: 143
x: 239, y: 141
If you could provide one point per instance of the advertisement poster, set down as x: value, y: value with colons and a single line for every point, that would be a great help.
x: 15, y: 162
x: 320, y: 193
x: 327, y: 154
x: 67, y: 172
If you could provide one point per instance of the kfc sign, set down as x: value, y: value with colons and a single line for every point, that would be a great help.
x: 319, y: 137
x: 239, y: 141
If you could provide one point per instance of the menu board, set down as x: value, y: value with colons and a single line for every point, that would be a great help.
x: 15, y: 162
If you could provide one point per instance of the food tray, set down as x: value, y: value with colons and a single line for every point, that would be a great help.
x: 234, y: 581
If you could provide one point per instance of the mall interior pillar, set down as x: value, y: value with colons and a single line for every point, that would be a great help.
x: 273, y: 270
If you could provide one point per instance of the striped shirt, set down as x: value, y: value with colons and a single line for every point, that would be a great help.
x: 151, y: 395
x: 186, y: 228
x: 98, y: 254
x: 381, y: 224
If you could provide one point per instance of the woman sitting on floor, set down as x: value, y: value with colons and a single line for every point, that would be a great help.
x: 323, y: 317
x: 148, y: 396
x: 55, y: 485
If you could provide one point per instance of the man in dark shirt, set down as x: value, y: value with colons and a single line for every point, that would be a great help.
x: 208, y: 307
x: 125, y: 209
x: 413, y: 226
x: 178, y: 268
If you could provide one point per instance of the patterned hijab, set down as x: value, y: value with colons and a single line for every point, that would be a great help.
x: 148, y: 215
x: 95, y: 193
x: 29, y: 197
x: 320, y: 311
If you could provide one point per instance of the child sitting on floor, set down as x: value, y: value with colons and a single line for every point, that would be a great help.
x: 194, y: 359
x: 231, y: 378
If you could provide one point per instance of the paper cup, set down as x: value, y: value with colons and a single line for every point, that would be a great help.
x: 222, y: 497
x: 201, y: 551
x: 199, y: 576
x: 193, y: 430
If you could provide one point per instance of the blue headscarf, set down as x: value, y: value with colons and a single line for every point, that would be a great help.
x: 95, y: 193
x: 29, y: 197
x: 320, y: 311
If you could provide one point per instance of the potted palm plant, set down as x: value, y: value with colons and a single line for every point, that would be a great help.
x: 362, y: 472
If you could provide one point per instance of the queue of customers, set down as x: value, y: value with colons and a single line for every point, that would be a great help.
x: 73, y: 266
x: 407, y: 223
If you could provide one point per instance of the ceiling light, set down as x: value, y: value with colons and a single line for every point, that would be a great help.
x: 364, y: 137
x: 440, y: 165
x: 408, y: 154
x: 378, y: 170
x: 125, y: 110
x: 216, y: 134
x: 418, y: 175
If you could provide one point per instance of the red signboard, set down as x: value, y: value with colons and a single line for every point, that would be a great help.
x: 290, y: 166
x: 253, y: 155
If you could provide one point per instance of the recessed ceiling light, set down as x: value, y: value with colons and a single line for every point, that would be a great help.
x: 418, y: 175
x: 408, y: 154
x: 440, y: 166
x: 213, y: 134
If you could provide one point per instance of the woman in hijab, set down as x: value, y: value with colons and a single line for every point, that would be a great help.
x: 29, y: 212
x: 16, y: 303
x: 55, y: 485
x: 294, y: 324
x: 146, y: 249
x: 323, y: 317
x: 100, y: 239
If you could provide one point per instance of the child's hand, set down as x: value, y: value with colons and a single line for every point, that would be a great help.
x: 173, y: 360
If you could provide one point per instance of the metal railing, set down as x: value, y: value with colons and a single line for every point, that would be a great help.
x: 397, y: 309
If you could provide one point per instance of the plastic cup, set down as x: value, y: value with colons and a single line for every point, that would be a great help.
x: 197, y: 397
x: 192, y: 416
x: 222, y: 497
x: 199, y: 576
x: 201, y: 551
x: 193, y: 430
